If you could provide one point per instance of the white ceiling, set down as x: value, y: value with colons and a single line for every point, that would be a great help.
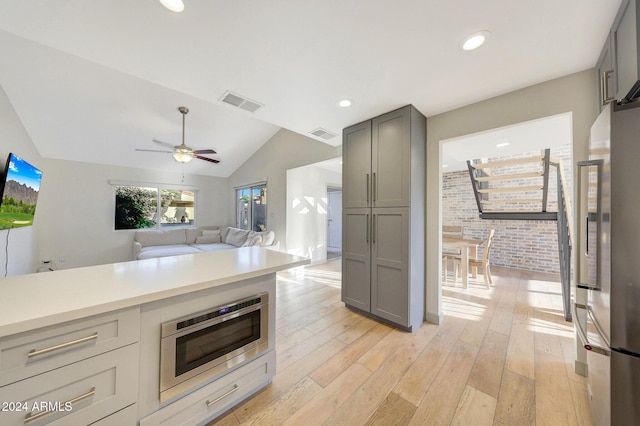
x: 535, y: 135
x: 91, y: 79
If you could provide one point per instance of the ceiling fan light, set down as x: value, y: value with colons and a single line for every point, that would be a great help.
x: 182, y: 156
x: 173, y: 5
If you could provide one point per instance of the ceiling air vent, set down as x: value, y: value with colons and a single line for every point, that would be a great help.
x: 240, y: 101
x: 323, y: 133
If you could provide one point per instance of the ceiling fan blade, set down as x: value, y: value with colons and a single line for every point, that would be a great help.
x: 206, y: 159
x: 204, y: 151
x: 153, y: 150
x: 163, y: 143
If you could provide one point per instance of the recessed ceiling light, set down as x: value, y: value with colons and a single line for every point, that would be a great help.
x: 502, y: 144
x: 475, y: 40
x: 444, y: 166
x: 173, y: 5
x: 345, y: 103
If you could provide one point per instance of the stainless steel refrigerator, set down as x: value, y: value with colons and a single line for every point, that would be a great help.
x: 608, y: 264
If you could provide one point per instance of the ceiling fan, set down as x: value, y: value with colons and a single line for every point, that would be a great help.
x: 182, y: 153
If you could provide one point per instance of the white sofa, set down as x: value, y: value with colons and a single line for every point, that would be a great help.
x: 150, y: 243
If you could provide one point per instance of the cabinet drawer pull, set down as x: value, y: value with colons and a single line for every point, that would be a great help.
x: 31, y: 417
x: 224, y: 395
x: 33, y: 352
x: 367, y: 188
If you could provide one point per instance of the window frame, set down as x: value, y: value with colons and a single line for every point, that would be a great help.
x: 250, y: 187
x: 158, y: 187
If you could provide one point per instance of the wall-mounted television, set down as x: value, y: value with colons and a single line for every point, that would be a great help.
x: 18, y: 193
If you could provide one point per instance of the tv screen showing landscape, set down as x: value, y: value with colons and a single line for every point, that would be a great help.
x: 19, y: 192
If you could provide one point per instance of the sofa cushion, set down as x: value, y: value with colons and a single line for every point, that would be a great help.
x: 166, y: 250
x: 236, y: 237
x: 160, y: 237
x: 253, y: 240
x: 211, y: 232
x: 192, y: 234
x: 268, y: 237
x: 208, y: 239
x: 213, y: 247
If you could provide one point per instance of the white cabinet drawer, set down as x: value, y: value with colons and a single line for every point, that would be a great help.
x: 125, y: 417
x: 27, y: 354
x: 98, y: 387
x: 217, y: 397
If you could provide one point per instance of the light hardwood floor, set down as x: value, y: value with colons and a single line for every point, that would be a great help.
x: 502, y: 356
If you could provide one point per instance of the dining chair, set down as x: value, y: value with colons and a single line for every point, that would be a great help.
x: 449, y: 254
x: 482, y: 262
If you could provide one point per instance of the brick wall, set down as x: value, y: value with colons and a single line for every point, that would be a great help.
x: 523, y: 244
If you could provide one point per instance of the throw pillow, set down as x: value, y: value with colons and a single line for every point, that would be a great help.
x: 236, y: 237
x: 208, y: 239
x: 211, y: 232
x: 255, y: 241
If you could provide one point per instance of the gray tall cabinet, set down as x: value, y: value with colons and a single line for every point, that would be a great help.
x: 383, y: 203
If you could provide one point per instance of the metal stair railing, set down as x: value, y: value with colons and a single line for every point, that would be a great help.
x: 564, y: 242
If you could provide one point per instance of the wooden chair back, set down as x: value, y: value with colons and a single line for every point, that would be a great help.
x: 452, y: 231
x: 487, y: 247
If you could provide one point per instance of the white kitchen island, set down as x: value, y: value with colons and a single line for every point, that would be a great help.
x: 82, y: 345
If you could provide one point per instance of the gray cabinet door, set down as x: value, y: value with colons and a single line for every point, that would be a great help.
x: 624, y: 36
x: 605, y: 75
x: 390, y: 264
x: 356, y: 165
x: 391, y: 159
x: 356, y: 258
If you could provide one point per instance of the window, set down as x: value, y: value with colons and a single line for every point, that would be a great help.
x: 251, y: 207
x: 148, y: 207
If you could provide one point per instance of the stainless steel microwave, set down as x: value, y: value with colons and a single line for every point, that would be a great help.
x: 196, y: 348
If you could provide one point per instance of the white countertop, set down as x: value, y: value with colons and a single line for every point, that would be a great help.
x: 37, y: 300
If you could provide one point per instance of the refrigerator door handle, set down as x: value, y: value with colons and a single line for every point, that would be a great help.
x: 606, y: 351
x: 584, y: 251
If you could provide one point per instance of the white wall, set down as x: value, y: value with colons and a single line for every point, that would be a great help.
x: 575, y: 93
x: 21, y: 244
x: 285, y: 150
x: 77, y: 204
x: 306, y: 211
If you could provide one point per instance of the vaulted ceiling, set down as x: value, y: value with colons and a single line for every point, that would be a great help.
x: 92, y: 80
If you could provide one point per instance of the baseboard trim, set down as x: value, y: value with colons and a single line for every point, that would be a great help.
x: 581, y: 368
x: 434, y: 318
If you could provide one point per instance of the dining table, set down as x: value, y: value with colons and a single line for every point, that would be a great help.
x: 468, y: 248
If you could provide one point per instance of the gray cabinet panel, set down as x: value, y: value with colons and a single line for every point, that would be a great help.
x: 391, y: 158
x: 625, y: 47
x: 356, y: 258
x: 356, y: 165
x: 390, y: 263
x: 605, y: 75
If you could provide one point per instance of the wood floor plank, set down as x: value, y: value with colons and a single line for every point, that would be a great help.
x: 486, y: 374
x: 439, y: 404
x: 418, y: 378
x: 290, y: 402
x: 382, y: 350
x: 394, y: 410
x: 475, y: 408
x: 327, y: 401
x: 516, y: 401
x: 325, y: 373
x: 368, y: 397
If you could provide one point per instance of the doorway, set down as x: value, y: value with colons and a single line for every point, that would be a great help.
x: 334, y: 222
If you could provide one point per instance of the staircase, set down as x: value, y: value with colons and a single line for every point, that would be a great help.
x: 499, y: 199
